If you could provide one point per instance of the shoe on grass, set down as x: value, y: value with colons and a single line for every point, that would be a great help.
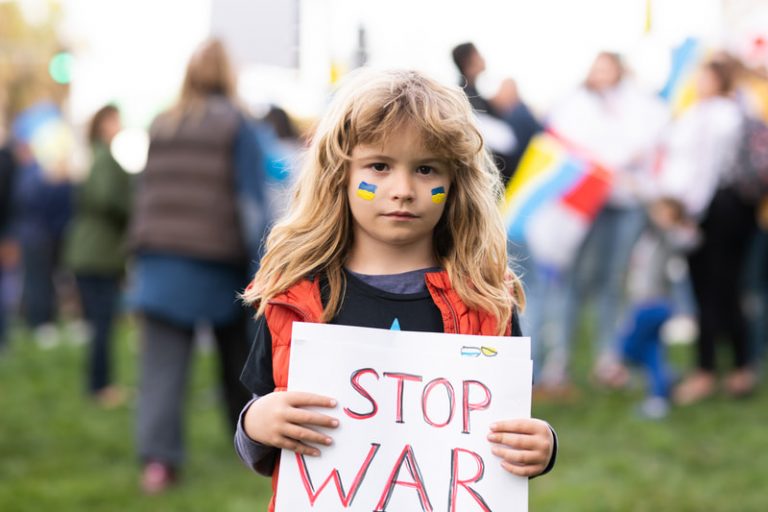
x: 695, y: 388
x: 741, y: 383
x: 157, y: 477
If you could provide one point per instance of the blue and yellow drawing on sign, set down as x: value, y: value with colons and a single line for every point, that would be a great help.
x: 438, y: 195
x: 366, y: 191
x: 478, y: 351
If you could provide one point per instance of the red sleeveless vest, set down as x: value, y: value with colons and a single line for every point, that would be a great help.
x: 302, y: 303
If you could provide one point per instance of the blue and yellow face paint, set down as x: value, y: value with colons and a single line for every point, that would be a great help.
x: 366, y: 191
x: 438, y: 195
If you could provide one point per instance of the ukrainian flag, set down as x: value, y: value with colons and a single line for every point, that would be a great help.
x: 366, y: 191
x: 552, y: 199
x: 438, y: 195
x: 680, y: 89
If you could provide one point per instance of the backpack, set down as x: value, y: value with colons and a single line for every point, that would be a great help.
x: 750, y: 170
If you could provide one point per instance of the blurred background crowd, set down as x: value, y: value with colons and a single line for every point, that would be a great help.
x: 146, y: 147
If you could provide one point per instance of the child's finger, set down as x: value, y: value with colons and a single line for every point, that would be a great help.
x: 305, y: 417
x: 306, y: 435
x: 518, y: 441
x: 297, y: 446
x: 304, y: 399
x: 519, y: 457
x: 522, y: 470
x: 521, y: 426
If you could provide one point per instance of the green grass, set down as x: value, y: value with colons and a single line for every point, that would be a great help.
x: 708, y: 457
x: 60, y: 452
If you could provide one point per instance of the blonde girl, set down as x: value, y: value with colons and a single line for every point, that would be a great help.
x: 393, y: 224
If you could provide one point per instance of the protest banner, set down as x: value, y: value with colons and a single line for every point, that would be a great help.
x: 414, y: 412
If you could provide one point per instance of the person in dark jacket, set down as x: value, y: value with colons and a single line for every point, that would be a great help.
x: 8, y: 249
x: 42, y: 209
x: 95, y: 248
x: 505, y: 106
x: 196, y: 221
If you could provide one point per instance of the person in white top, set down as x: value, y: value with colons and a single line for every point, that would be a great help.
x: 700, y: 153
x: 613, y: 121
x: 700, y: 148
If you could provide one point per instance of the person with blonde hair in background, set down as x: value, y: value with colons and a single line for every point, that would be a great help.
x: 194, y: 241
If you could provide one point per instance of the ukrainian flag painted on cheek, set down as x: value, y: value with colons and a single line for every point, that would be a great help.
x: 366, y: 191
x: 438, y: 195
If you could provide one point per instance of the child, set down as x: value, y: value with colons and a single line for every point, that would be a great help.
x: 394, y: 222
x: 651, y: 287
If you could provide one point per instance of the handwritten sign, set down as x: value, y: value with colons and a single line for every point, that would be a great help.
x: 414, y: 412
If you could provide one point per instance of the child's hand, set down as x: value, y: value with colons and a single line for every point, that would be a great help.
x: 278, y: 419
x: 526, y: 445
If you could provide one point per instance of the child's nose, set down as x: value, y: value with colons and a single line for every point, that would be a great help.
x: 402, y: 185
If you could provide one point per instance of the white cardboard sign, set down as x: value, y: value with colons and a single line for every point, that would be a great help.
x: 414, y: 412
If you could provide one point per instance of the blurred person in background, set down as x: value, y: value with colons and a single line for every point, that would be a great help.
x: 42, y: 211
x: 751, y: 176
x: 8, y: 249
x: 757, y: 286
x: 505, y: 106
x: 651, y: 285
x: 197, y: 220
x: 95, y: 249
x: 286, y: 141
x: 701, y: 149
x: 612, y: 121
x: 284, y: 128
x: 283, y: 144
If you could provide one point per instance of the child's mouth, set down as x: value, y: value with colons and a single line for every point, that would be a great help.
x: 401, y: 215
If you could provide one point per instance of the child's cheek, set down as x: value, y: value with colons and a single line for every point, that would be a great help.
x: 438, y: 195
x: 366, y: 191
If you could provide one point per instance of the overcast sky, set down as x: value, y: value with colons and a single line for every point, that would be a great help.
x: 134, y: 51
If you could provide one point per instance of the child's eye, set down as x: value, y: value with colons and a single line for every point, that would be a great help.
x: 425, y: 170
x: 379, y: 167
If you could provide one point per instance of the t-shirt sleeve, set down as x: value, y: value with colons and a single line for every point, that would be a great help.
x: 257, y: 372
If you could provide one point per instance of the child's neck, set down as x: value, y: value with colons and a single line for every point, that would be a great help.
x: 383, y: 259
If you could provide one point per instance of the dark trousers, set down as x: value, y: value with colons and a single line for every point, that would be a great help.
x: 756, y: 282
x: 40, y: 259
x: 717, y: 269
x: 99, y: 296
x: 3, y: 320
x: 165, y: 356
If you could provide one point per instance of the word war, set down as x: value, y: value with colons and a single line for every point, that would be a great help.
x: 416, y: 481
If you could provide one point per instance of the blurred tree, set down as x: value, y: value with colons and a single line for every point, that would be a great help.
x: 26, y: 49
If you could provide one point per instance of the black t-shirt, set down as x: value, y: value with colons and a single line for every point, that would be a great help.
x: 363, y: 306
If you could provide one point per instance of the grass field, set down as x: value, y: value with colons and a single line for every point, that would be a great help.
x: 59, y: 452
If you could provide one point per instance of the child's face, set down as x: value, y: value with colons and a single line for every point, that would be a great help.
x: 397, y: 191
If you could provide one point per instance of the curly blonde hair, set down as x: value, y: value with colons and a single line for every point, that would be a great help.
x: 315, y: 235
